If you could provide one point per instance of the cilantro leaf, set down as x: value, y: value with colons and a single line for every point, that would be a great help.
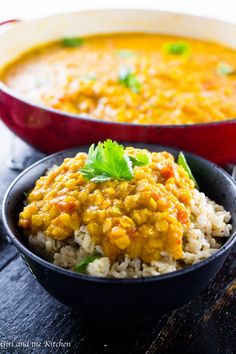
x: 127, y: 78
x: 73, y: 42
x: 177, y: 48
x: 82, y: 265
x: 183, y: 162
x: 40, y: 81
x: 141, y: 159
x: 88, y: 77
x: 224, y: 69
x: 107, y: 161
x: 126, y: 53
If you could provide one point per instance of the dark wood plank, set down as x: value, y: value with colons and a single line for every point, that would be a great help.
x: 206, y: 325
x: 24, y: 153
x: 29, y: 313
x: 7, y: 253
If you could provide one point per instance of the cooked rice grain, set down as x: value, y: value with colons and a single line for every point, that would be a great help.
x: 203, y: 238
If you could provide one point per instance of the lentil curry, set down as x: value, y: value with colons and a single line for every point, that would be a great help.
x: 141, y: 214
x: 134, y: 78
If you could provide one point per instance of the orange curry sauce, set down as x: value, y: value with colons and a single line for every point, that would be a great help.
x: 172, y: 89
x: 141, y: 217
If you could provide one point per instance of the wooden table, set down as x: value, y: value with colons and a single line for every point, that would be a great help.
x: 30, y: 317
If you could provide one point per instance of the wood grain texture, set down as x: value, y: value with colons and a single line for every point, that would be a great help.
x: 207, y: 325
x: 7, y: 251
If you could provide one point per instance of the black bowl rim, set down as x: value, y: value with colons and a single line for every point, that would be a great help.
x: 26, y: 251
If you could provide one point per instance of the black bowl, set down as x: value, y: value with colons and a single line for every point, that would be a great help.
x: 123, y: 301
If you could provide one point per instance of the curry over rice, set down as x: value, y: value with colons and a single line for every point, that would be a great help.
x: 141, y: 217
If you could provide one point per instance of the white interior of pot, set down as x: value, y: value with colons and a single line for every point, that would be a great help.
x: 25, y: 35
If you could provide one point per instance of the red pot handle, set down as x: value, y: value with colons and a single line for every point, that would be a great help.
x: 8, y: 21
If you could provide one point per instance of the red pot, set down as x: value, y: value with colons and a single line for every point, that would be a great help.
x: 50, y: 130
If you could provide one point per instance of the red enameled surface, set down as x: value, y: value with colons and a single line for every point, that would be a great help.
x: 51, y: 131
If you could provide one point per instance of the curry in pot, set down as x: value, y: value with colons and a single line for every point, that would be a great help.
x: 131, y: 78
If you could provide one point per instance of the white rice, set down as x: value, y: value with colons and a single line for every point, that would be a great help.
x: 204, y: 236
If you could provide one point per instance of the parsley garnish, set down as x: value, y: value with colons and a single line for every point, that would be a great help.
x: 224, y: 69
x: 109, y: 161
x: 73, y: 42
x: 127, y: 78
x: 82, y: 265
x: 177, y: 48
x: 183, y: 162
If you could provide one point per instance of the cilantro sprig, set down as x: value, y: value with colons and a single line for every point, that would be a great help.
x: 82, y: 265
x: 88, y: 77
x: 224, y: 69
x: 176, y: 48
x: 109, y: 161
x: 183, y: 162
x: 127, y: 78
x: 72, y: 42
x: 141, y: 159
x: 126, y: 53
